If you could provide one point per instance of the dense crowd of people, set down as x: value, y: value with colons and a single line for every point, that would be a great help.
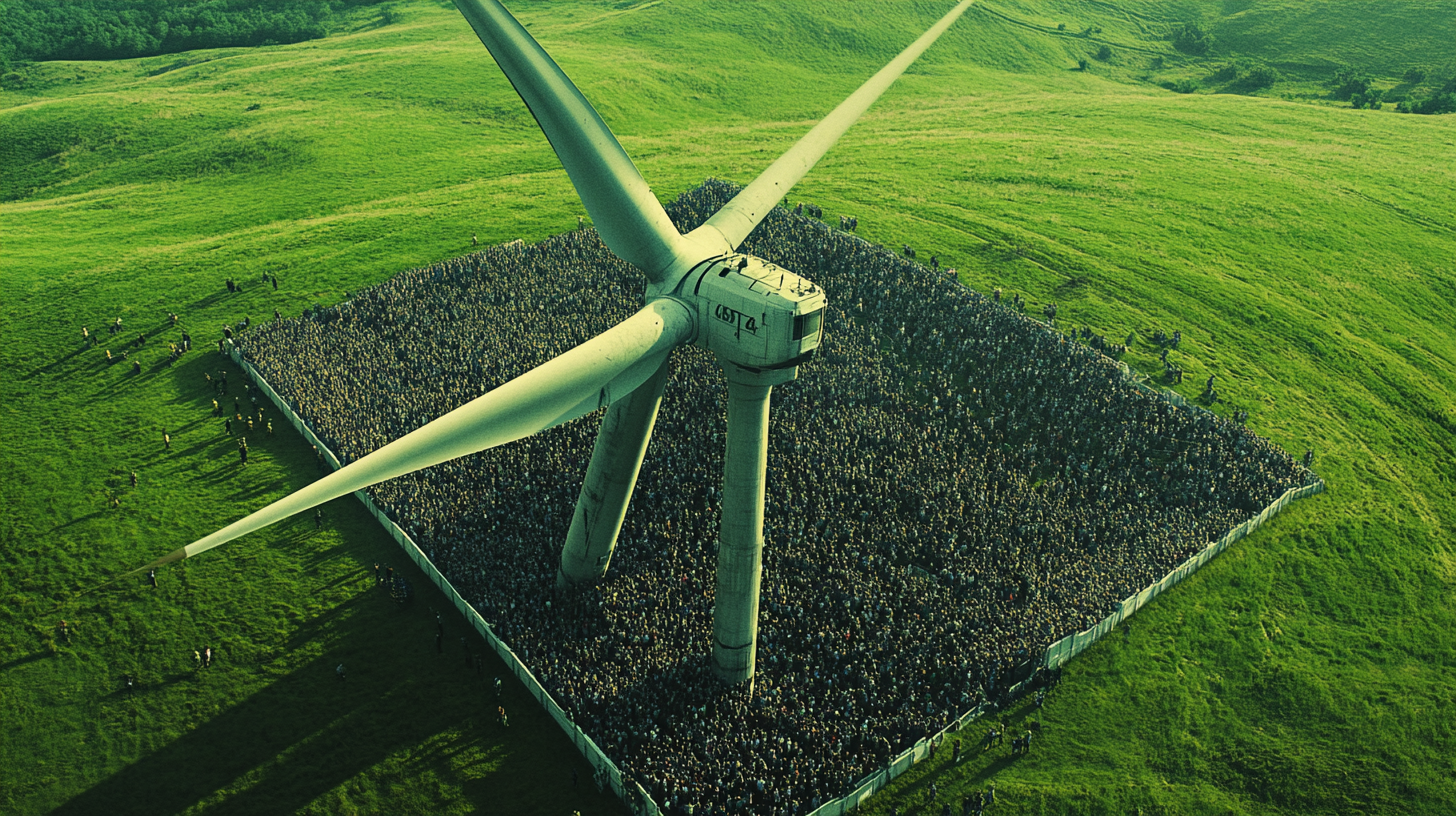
x: 952, y: 486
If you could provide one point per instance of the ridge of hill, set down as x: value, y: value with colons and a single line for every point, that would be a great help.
x: 1304, y: 250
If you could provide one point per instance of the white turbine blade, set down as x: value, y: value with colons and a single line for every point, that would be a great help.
x: 625, y: 212
x: 607, y: 367
x: 732, y: 224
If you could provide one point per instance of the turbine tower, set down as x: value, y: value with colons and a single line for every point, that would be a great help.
x: 760, y: 321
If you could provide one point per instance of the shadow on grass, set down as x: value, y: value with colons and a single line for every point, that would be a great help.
x: 403, y: 710
x: 286, y: 745
x: 211, y: 300
x: 21, y: 661
x: 321, y: 557
x: 58, y: 362
x: 78, y: 519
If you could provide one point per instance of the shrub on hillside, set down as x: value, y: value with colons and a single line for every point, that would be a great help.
x: 1415, y: 76
x: 1440, y: 103
x: 1350, y: 81
x: 1182, y: 86
x: 1257, y: 78
x: 1190, y: 39
x: 1104, y: 53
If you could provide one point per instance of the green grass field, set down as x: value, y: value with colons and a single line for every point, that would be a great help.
x: 1305, y: 250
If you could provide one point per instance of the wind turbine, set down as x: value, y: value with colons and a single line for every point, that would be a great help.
x: 760, y: 322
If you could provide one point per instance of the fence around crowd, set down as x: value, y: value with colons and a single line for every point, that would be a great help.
x: 1064, y: 649
x: 605, y: 772
x: 632, y: 793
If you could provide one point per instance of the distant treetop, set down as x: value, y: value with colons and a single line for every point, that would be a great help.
x: 1190, y: 39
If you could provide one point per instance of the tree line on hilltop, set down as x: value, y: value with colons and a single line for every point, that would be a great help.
x: 37, y: 30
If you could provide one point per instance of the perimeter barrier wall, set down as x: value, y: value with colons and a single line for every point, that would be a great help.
x: 633, y: 794
x: 604, y: 770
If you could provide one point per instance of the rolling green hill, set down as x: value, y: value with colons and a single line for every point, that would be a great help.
x: 1305, y: 250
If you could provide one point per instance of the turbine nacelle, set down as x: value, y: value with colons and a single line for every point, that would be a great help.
x: 753, y: 315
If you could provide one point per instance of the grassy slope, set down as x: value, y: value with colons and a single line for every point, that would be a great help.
x: 1306, y: 41
x: 1304, y: 251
